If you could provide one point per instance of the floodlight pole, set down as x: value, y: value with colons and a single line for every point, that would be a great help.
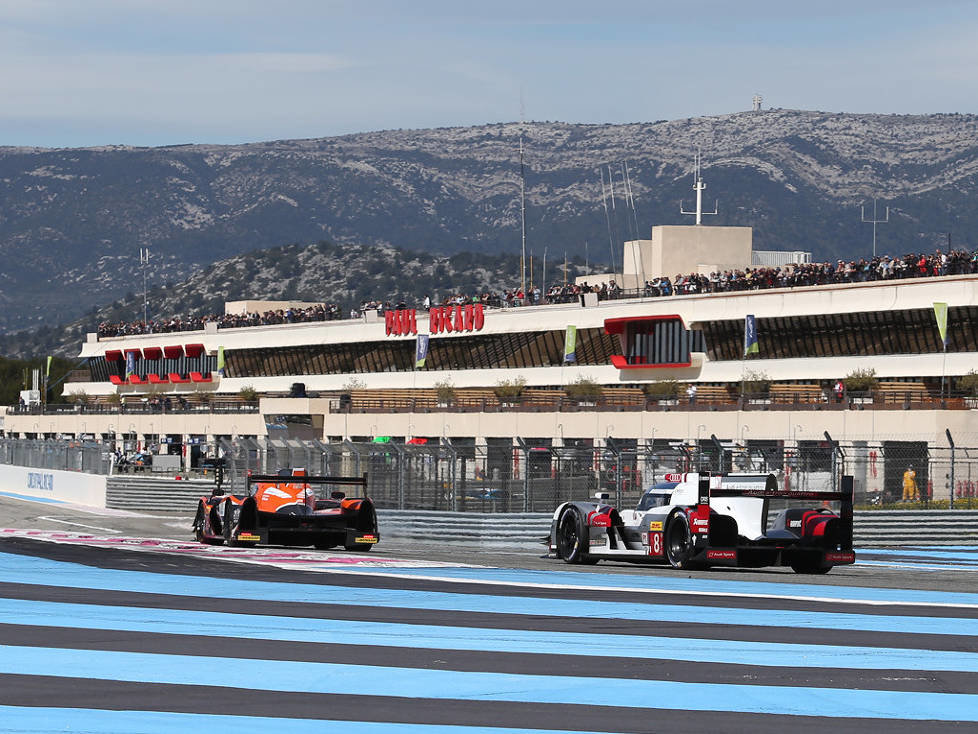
x: 950, y: 442
x: 144, y: 261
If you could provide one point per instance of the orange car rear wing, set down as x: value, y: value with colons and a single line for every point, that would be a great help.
x: 255, y: 479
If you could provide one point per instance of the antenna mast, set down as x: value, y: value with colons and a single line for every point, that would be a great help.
x: 874, y: 221
x: 144, y: 261
x: 522, y: 216
x: 607, y: 218
x: 698, y: 187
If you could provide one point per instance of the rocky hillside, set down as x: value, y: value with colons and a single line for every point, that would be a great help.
x: 346, y: 275
x: 72, y: 220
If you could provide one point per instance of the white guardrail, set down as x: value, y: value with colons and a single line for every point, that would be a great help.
x: 526, y: 530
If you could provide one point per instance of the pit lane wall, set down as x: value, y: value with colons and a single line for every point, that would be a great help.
x: 53, y: 485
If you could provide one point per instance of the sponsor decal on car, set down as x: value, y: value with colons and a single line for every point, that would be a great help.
x: 249, y: 537
x: 655, y: 544
x: 365, y: 539
x: 598, y: 541
x: 729, y: 555
x: 840, y: 557
x: 655, y: 525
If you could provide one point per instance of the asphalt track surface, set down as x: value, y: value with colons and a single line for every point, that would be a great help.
x: 104, y: 631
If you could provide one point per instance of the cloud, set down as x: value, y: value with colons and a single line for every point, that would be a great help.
x: 228, y: 70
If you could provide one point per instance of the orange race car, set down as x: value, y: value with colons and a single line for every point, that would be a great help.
x: 290, y: 509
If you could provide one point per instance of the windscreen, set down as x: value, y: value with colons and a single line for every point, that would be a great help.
x: 658, y: 495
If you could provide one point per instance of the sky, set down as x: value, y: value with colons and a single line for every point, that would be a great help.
x: 165, y: 72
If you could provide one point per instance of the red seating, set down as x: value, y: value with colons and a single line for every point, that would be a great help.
x: 116, y: 380
x: 175, y: 377
x: 136, y: 380
x: 156, y: 379
x: 197, y: 377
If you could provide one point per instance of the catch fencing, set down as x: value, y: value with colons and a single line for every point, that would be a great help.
x: 525, y: 475
x: 533, y: 475
x: 75, y: 455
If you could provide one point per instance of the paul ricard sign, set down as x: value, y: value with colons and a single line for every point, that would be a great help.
x: 40, y: 481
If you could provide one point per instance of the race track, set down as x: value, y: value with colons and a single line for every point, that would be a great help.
x: 106, y: 631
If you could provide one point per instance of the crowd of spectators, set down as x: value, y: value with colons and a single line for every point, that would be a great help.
x: 319, y: 312
x: 883, y: 267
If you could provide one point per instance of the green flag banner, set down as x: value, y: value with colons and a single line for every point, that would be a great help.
x: 940, y: 311
x: 750, y: 335
x: 47, y: 372
x: 570, y: 344
x: 220, y: 361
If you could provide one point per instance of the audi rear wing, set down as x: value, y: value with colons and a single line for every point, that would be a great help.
x: 771, y: 491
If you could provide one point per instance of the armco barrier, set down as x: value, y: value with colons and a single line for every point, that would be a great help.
x: 873, y: 528
x: 497, y: 530
x: 525, y: 530
x: 151, y: 494
x: 905, y: 527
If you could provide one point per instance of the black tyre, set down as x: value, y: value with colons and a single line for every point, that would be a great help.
x: 207, y: 518
x: 679, y: 542
x: 198, y: 526
x: 227, y: 522
x: 572, y: 537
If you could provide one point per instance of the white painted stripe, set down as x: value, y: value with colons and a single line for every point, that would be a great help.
x: 79, y: 524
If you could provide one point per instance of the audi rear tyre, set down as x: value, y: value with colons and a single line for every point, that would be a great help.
x: 679, y: 542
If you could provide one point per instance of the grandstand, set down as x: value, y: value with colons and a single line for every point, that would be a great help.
x: 493, y: 375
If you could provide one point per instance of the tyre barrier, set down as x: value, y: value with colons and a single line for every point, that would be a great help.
x: 527, y: 530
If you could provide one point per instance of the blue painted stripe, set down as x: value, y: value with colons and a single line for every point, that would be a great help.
x: 952, y: 555
x: 373, y: 680
x: 29, y: 570
x: 933, y: 566
x: 264, y: 627
x: 31, y: 498
x: 44, y: 720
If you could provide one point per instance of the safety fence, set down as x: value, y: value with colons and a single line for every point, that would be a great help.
x: 82, y: 456
x: 533, y: 475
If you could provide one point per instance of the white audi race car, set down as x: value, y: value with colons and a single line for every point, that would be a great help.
x: 694, y: 520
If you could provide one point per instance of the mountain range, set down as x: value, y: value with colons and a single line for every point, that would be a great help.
x: 72, y: 221
x: 322, y: 272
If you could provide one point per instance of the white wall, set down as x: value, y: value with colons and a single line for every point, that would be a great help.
x: 52, y: 484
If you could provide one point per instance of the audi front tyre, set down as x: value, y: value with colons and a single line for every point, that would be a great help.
x: 572, y: 537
